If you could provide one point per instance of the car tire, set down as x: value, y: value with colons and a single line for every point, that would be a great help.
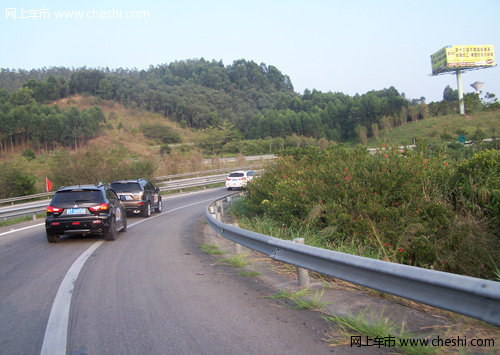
x: 147, y: 210
x: 52, y: 238
x: 229, y: 188
x: 124, y: 222
x: 111, y: 233
x: 159, y: 208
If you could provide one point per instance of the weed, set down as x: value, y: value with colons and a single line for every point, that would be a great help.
x: 237, y: 260
x: 373, y: 327
x: 248, y: 273
x: 300, y: 298
x: 211, y: 249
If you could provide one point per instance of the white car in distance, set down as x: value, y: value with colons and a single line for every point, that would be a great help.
x: 239, y: 179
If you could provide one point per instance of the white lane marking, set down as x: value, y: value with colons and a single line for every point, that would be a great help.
x: 56, y: 333
x: 20, y: 229
x: 192, y: 204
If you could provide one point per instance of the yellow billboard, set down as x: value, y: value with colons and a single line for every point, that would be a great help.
x: 452, y: 58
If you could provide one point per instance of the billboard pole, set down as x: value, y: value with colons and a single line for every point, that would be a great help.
x: 460, y: 92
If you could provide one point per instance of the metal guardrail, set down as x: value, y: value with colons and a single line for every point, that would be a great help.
x: 26, y: 197
x: 466, y: 295
x: 192, y: 182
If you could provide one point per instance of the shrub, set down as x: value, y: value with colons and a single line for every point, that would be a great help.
x: 397, y: 203
x: 161, y: 133
x: 15, y: 180
x: 477, y: 186
x: 29, y: 154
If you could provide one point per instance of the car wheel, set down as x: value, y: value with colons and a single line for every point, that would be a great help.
x: 159, y: 208
x: 111, y: 233
x: 52, y: 238
x: 229, y: 188
x: 147, y: 210
x: 124, y: 222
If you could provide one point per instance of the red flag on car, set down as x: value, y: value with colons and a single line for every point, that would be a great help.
x: 48, y: 184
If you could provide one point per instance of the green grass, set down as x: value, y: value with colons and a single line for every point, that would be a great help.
x: 238, y: 260
x: 248, y: 273
x: 371, y: 326
x: 10, y: 222
x: 267, y: 226
x: 211, y: 249
x: 430, y: 129
x: 302, y: 298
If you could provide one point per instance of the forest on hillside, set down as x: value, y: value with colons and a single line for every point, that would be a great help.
x: 255, y: 101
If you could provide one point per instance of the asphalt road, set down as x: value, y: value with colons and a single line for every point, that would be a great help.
x: 152, y: 291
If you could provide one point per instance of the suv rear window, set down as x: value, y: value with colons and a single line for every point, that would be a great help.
x: 126, y: 186
x: 72, y: 196
x: 236, y: 174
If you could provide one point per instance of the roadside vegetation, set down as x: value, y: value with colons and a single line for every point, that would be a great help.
x: 304, y: 299
x: 380, y: 327
x: 425, y: 207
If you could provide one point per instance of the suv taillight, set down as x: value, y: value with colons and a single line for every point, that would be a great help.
x: 99, y: 208
x: 52, y: 209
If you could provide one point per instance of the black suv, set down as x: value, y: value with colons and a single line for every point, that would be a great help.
x: 85, y: 209
x: 139, y: 196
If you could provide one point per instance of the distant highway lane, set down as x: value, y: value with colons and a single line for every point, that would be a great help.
x: 152, y: 291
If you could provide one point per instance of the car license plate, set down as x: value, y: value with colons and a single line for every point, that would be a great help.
x: 76, y: 211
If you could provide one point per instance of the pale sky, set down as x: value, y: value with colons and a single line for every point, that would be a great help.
x: 348, y: 46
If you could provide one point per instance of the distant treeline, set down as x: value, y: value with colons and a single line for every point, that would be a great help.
x: 27, y: 123
x: 256, y: 99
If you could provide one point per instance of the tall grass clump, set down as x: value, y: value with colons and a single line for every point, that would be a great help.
x: 417, y: 208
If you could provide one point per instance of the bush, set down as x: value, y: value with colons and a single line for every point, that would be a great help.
x: 15, y: 180
x: 165, y: 149
x: 477, y: 186
x: 399, y: 204
x: 161, y: 133
x: 29, y: 154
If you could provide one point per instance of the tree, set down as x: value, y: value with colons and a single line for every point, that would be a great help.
x: 105, y: 89
x: 362, y: 133
x: 449, y: 94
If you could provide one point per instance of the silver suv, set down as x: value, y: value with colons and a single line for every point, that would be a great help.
x: 139, y: 196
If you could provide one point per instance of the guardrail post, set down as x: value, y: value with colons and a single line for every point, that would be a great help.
x: 221, y: 204
x: 211, y: 209
x: 218, y: 207
x: 237, y: 247
x: 302, y: 274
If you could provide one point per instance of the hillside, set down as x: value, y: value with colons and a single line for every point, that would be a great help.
x: 123, y: 125
x: 439, y: 128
